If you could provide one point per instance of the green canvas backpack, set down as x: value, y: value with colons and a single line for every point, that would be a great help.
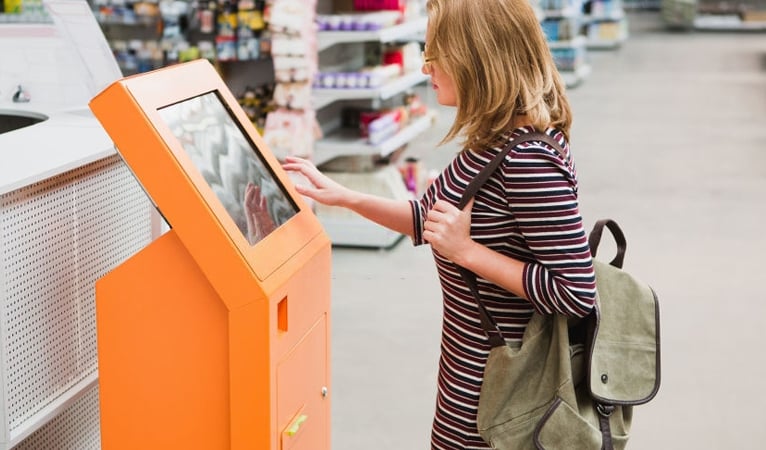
x: 572, y: 384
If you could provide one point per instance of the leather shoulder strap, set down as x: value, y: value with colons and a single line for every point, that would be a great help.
x: 488, y: 323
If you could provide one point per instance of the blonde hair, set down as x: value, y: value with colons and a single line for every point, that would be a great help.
x: 500, y: 64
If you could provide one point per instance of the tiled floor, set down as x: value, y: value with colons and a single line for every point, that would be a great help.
x: 670, y: 140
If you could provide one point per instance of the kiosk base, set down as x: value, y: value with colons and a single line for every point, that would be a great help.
x: 172, y: 357
x: 164, y: 319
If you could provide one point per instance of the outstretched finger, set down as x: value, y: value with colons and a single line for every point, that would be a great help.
x: 305, y: 168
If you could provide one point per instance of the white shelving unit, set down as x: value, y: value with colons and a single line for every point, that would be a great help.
x: 324, y: 97
x: 410, y: 29
x: 709, y: 15
x: 574, y: 77
x: 606, y: 31
x: 562, y: 22
x: 346, y: 142
x: 711, y: 22
x: 344, y: 227
x: 576, y: 73
x: 349, y: 229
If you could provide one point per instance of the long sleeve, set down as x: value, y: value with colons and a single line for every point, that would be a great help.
x: 541, y: 191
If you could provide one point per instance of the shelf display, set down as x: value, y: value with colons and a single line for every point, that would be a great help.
x: 290, y: 130
x: 23, y: 11
x: 345, y: 141
x: 678, y: 14
x: 562, y: 23
x: 641, y: 5
x: 605, y: 24
x: 369, y: 62
x: 149, y: 35
x: 745, y: 15
x: 706, y: 15
x: 389, y: 32
x: 387, y: 88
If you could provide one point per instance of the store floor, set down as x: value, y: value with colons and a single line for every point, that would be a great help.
x: 670, y: 140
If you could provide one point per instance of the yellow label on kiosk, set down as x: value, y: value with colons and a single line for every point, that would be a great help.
x: 216, y: 334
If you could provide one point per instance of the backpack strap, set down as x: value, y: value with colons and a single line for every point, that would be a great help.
x: 494, y: 335
x: 594, y: 239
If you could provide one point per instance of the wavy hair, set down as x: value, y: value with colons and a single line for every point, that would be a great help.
x: 500, y: 63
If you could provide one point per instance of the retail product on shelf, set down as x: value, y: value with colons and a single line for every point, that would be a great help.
x: 641, y: 5
x: 23, y: 11
x: 290, y: 132
x: 562, y: 21
x: 605, y: 24
x: 366, y: 5
x: 257, y: 102
x: 357, y: 21
x: 149, y: 35
x: 291, y: 128
x: 376, y: 126
x: 731, y: 15
x: 738, y: 15
x: 369, y: 62
x: 364, y: 78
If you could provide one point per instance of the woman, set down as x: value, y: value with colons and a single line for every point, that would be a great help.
x: 522, y: 234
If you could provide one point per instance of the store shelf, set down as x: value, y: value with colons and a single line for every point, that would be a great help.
x: 578, y: 41
x: 132, y: 21
x: 406, y: 30
x: 614, y: 16
x: 566, y: 13
x: 358, y: 232
x: 726, y: 23
x: 324, y: 97
x: 573, y: 78
x: 606, y: 33
x: 642, y: 5
x: 26, y: 18
x: 605, y: 44
x: 346, y: 228
x: 346, y: 142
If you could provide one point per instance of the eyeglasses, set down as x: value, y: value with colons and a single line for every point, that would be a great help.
x: 427, y: 61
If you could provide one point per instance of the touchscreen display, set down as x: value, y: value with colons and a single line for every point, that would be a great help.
x: 231, y: 165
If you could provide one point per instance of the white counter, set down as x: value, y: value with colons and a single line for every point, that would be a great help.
x: 65, y: 141
x: 70, y: 211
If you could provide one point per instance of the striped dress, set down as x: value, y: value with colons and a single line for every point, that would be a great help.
x: 527, y: 210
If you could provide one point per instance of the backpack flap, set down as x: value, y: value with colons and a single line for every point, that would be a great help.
x: 624, y: 367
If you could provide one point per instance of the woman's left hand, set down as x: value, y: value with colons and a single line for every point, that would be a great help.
x: 448, y: 230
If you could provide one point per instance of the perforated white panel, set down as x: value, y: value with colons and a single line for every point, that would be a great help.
x: 57, y: 238
x: 76, y: 428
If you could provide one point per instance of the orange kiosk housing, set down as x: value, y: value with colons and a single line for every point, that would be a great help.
x: 215, y: 336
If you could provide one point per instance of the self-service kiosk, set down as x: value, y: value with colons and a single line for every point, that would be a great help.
x: 215, y: 336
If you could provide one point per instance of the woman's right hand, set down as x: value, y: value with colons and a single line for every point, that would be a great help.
x: 322, y: 189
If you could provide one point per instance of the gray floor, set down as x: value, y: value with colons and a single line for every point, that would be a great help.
x: 669, y: 139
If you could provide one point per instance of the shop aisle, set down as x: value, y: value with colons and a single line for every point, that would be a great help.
x: 669, y: 141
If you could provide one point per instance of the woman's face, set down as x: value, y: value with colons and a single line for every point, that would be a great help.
x: 441, y: 81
